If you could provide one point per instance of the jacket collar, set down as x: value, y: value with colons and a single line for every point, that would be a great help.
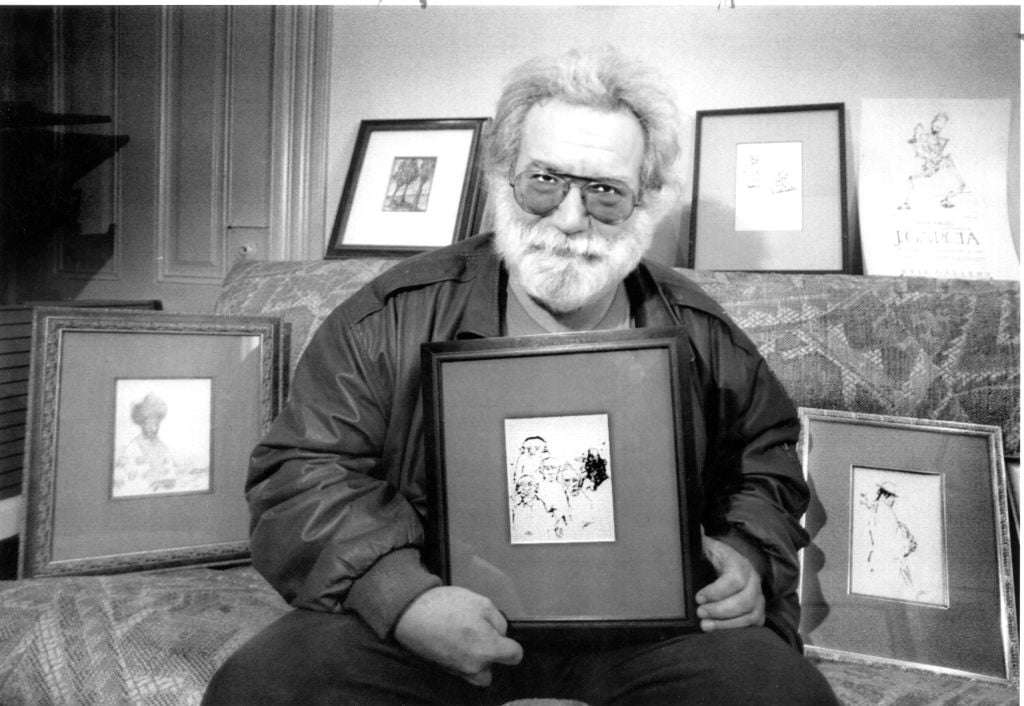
x: 488, y: 280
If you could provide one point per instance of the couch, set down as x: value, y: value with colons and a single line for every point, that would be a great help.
x: 907, y: 347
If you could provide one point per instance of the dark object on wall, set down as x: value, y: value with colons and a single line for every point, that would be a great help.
x: 9, y: 558
x: 38, y: 171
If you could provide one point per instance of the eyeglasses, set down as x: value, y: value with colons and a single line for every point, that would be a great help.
x: 539, y: 191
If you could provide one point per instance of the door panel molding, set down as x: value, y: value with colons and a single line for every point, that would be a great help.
x: 194, y: 129
x: 301, y: 100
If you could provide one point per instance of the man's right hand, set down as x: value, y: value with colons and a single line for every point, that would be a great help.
x: 460, y: 630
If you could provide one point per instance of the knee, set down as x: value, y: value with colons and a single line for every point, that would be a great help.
x: 224, y: 687
x: 231, y: 684
x: 272, y: 667
x: 764, y: 669
x: 249, y: 677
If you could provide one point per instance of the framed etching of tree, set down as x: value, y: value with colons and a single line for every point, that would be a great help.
x: 412, y: 185
x: 560, y: 468
x: 910, y: 545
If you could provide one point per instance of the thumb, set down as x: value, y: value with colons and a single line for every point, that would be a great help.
x: 713, y: 552
x: 508, y: 652
x: 482, y: 678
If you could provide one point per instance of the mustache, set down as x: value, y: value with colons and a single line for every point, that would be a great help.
x: 544, y: 239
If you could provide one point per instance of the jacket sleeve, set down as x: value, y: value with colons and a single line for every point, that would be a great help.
x: 328, y: 530
x: 753, y: 485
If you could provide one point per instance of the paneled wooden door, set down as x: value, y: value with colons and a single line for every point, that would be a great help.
x: 224, y: 110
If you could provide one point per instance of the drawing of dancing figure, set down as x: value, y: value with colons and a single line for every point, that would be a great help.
x: 930, y: 146
x: 891, y: 541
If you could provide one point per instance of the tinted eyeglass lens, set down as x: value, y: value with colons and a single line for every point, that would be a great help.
x: 540, y: 193
x: 607, y: 203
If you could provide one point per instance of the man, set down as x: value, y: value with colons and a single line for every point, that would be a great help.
x: 579, y: 163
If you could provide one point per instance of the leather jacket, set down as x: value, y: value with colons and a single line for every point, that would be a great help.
x: 337, y: 488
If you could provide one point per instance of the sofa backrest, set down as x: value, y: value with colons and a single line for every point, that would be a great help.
x: 910, y: 347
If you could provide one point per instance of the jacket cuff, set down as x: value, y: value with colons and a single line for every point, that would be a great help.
x: 757, y: 558
x: 382, y: 594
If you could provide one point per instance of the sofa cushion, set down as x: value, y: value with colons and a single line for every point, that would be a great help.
x: 301, y: 293
x: 142, y: 638
x: 157, y: 637
x: 911, y: 347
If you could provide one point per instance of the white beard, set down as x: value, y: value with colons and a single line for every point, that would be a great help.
x: 565, y: 273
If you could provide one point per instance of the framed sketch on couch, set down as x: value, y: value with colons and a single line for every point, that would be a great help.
x: 543, y: 464
x: 910, y: 561
x: 139, y: 431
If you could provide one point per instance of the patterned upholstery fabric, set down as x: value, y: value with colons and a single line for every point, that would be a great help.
x: 150, y: 638
x: 301, y: 293
x: 908, y: 347
x: 912, y: 347
x: 155, y: 639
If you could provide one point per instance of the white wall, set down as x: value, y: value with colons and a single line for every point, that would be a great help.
x: 444, y: 61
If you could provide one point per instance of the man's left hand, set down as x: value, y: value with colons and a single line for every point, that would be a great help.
x: 734, y: 600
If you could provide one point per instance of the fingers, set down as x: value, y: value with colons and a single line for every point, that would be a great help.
x: 460, y: 631
x: 738, y: 610
x: 734, y: 599
x: 502, y: 650
x: 496, y: 618
x: 508, y: 652
x: 481, y: 679
x: 723, y: 587
x: 744, y: 621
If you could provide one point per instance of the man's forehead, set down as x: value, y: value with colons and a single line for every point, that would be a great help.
x: 582, y: 141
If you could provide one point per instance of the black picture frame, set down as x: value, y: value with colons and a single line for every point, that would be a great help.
x: 614, y: 412
x: 440, y: 157
x: 741, y: 218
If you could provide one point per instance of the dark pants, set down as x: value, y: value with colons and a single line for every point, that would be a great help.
x: 309, y: 658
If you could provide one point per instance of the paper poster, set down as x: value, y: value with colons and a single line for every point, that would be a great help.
x: 932, y: 189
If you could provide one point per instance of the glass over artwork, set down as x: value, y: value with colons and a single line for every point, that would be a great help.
x: 409, y: 184
x: 897, y: 543
x: 159, y: 428
x: 910, y: 561
x: 559, y: 479
x: 561, y: 470
x: 769, y: 186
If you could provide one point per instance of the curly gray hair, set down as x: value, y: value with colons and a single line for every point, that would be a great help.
x: 600, y: 78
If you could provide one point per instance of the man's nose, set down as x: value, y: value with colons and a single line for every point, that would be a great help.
x: 571, y: 215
